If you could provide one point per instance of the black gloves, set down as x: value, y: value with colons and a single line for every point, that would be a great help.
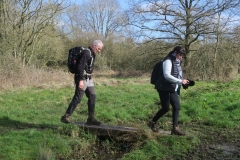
x: 191, y: 83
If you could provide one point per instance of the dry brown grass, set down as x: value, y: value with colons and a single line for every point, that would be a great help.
x: 50, y: 78
x: 22, y: 78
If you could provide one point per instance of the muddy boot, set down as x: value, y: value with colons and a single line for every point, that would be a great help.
x: 66, y: 118
x: 177, y: 131
x: 91, y: 120
x: 153, y: 126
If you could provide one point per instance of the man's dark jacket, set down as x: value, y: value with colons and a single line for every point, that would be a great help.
x: 86, y: 63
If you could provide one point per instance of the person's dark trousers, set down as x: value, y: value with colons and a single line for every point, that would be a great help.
x: 90, y: 93
x: 168, y: 98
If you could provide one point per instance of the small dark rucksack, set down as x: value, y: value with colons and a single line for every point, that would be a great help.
x: 73, y: 58
x: 156, y: 72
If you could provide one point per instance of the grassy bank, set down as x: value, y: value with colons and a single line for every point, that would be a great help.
x: 30, y: 126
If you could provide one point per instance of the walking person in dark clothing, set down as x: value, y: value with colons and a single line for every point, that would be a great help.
x: 84, y: 83
x: 167, y: 85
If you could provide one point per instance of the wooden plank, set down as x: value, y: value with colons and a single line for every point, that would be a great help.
x: 104, y: 129
x: 164, y: 132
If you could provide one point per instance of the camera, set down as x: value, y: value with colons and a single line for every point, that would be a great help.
x: 190, y: 83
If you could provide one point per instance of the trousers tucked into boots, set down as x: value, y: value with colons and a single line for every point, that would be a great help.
x: 166, y: 99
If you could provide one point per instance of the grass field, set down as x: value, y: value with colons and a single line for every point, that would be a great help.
x: 30, y: 126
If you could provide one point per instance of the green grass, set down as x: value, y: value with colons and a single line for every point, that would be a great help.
x: 215, y: 106
x: 30, y: 126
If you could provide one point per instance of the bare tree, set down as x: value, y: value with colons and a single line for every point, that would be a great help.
x: 24, y: 21
x: 103, y: 18
x: 179, y: 21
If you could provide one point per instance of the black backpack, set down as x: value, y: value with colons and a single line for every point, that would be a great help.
x: 156, y: 72
x: 73, y: 58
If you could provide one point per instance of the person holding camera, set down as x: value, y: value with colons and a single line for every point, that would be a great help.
x: 167, y: 85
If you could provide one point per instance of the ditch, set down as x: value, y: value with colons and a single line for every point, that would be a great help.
x: 215, y: 143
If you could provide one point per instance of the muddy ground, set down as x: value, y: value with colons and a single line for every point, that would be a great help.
x: 216, y: 143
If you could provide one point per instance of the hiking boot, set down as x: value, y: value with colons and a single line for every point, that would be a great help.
x: 177, y: 131
x: 92, y: 121
x: 65, y: 119
x: 153, y: 126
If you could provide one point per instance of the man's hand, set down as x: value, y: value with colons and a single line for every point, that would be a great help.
x: 81, y: 85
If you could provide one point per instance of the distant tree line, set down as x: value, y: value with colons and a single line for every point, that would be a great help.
x: 39, y: 33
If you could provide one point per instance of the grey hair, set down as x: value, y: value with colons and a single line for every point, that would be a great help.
x: 97, y: 43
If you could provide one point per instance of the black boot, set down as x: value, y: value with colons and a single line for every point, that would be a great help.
x: 91, y: 120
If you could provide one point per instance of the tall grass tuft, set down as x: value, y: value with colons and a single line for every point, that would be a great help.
x: 45, y: 153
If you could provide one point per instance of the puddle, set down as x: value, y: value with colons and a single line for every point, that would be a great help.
x: 225, y: 150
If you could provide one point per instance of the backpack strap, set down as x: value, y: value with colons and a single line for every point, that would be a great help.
x: 90, y: 56
x: 85, y: 73
x: 88, y: 50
